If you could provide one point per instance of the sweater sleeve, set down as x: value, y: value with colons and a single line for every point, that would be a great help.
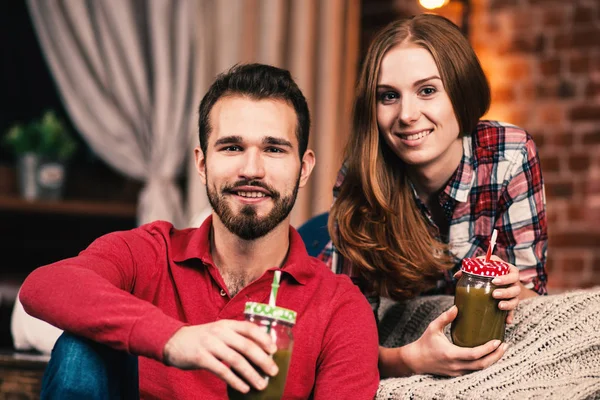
x: 90, y: 295
x: 347, y: 366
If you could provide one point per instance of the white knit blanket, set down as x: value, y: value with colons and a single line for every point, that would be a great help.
x: 554, y: 351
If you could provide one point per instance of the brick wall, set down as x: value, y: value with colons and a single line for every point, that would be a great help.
x: 542, y: 58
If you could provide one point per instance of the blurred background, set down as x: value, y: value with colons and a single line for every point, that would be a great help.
x: 122, y: 80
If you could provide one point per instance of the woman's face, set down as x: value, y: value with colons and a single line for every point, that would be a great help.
x: 414, y: 112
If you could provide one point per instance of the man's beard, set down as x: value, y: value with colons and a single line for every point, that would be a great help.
x: 246, y: 224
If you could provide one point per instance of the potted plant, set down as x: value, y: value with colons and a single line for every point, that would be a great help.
x: 42, y: 148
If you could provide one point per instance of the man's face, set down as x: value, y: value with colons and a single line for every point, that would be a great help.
x: 251, y: 168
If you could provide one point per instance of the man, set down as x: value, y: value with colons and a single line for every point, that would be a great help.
x: 176, y: 297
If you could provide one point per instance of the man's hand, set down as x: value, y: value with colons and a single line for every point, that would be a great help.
x: 433, y: 353
x: 221, y: 347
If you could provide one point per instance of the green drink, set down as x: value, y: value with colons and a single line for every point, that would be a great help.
x: 278, y: 323
x: 274, y: 390
x: 479, y: 319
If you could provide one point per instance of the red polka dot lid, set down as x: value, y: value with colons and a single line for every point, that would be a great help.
x: 478, y: 266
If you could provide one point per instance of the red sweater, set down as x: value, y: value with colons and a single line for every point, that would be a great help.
x: 133, y: 289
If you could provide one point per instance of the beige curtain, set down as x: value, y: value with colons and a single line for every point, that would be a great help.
x: 318, y: 42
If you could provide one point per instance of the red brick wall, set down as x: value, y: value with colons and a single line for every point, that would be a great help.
x: 542, y: 58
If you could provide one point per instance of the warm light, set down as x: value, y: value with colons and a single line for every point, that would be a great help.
x: 431, y: 4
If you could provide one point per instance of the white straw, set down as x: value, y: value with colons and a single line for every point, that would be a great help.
x: 492, y: 244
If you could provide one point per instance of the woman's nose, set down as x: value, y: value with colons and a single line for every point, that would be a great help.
x: 409, y: 111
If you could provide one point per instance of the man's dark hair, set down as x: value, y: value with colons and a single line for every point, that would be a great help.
x: 259, y: 82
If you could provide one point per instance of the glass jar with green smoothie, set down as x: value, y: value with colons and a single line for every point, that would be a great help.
x: 278, y: 322
x: 479, y: 319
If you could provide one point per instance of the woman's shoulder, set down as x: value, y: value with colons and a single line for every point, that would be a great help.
x: 497, y: 133
x: 499, y: 140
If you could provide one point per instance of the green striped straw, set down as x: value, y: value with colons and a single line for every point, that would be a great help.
x: 273, y: 296
x: 274, y: 288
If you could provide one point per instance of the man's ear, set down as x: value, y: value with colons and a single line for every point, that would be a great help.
x: 200, y: 163
x: 308, y: 163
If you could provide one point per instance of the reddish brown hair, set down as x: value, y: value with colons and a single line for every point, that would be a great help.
x: 375, y: 222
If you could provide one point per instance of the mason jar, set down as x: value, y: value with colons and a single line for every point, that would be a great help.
x: 479, y: 319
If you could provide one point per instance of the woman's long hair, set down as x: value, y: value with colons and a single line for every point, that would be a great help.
x: 375, y: 222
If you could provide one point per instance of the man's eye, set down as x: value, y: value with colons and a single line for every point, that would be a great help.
x: 388, y: 97
x: 274, y: 150
x: 231, y: 148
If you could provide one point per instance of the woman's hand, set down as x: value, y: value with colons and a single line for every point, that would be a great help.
x: 433, y: 353
x: 509, y: 293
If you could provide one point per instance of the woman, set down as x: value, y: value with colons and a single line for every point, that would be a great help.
x: 424, y: 184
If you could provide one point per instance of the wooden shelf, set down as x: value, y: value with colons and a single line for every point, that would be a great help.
x: 71, y: 207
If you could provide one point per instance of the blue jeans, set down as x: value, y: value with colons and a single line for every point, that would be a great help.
x: 82, y: 369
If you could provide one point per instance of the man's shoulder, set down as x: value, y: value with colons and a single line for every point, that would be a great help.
x: 153, y: 233
x: 339, y: 283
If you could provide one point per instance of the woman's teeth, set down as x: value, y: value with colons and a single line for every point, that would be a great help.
x: 416, y: 136
x: 251, y: 194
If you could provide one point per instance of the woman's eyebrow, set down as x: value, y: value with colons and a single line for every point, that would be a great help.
x: 417, y: 83
x: 422, y: 81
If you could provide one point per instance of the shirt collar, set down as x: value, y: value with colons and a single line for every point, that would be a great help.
x: 460, y: 184
x: 194, y: 243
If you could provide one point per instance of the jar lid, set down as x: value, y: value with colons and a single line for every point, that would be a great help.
x: 273, y: 312
x: 478, y: 266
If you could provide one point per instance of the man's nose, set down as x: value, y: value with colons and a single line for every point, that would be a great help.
x: 253, y: 165
x: 409, y: 111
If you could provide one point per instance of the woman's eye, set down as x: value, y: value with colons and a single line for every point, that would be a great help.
x: 387, y: 97
x: 428, y: 91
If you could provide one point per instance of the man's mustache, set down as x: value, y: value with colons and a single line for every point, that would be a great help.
x: 245, y: 182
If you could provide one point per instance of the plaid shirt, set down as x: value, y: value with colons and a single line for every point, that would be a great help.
x: 498, y: 184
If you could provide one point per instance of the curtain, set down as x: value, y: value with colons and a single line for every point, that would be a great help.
x: 318, y: 42
x: 127, y: 72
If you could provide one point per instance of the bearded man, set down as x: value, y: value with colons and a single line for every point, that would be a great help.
x: 168, y: 304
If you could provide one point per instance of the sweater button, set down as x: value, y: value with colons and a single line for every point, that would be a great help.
x: 223, y: 293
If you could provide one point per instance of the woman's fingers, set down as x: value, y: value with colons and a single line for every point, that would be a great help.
x: 475, y: 353
x: 509, y: 279
x: 444, y: 319
x: 485, y: 361
x: 510, y: 317
x: 510, y: 292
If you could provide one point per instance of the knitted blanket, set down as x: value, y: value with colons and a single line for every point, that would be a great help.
x: 554, y: 351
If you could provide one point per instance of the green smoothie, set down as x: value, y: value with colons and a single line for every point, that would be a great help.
x: 274, y: 390
x: 479, y: 319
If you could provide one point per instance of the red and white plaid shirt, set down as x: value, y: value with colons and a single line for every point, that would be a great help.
x: 498, y: 184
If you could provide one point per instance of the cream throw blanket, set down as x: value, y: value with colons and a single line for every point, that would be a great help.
x: 554, y: 351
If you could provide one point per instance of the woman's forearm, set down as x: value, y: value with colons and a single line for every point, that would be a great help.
x: 394, y: 362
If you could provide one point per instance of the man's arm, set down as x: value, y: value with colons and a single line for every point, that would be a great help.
x: 90, y: 296
x: 347, y: 366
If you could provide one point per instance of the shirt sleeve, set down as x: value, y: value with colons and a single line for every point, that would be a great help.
x: 347, y: 367
x: 521, y: 222
x: 90, y: 295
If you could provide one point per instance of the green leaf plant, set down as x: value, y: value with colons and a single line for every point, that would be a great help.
x: 47, y: 137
